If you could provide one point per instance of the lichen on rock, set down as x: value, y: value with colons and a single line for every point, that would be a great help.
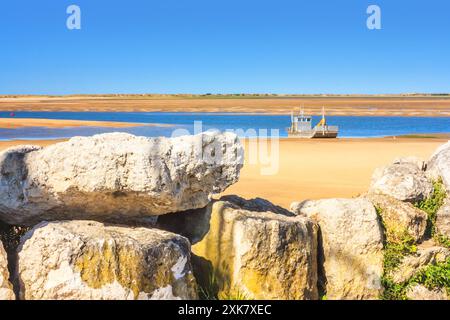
x: 256, y: 254
x: 90, y: 260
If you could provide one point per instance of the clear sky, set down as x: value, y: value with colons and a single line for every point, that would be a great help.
x: 224, y: 46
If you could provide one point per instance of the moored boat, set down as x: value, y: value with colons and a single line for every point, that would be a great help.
x: 301, y: 127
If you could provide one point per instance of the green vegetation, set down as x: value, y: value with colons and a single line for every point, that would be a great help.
x: 398, y: 246
x: 392, y: 290
x: 443, y: 240
x: 419, y: 136
x: 208, y: 290
x: 434, y: 276
x: 431, y: 206
x: 394, y: 252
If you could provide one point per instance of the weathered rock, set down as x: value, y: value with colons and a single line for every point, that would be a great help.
x: 350, y: 246
x: 419, y: 292
x: 420, y: 163
x: 413, y: 264
x: 6, y: 289
x: 257, y: 254
x: 443, y: 219
x: 399, y: 217
x: 132, y: 177
x: 90, y: 260
x: 195, y: 224
x: 439, y: 166
x: 403, y: 180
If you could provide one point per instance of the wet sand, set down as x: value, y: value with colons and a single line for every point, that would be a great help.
x: 313, y: 169
x: 12, y: 123
x: 430, y: 106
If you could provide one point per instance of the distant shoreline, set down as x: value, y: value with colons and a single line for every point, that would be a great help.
x: 383, y: 105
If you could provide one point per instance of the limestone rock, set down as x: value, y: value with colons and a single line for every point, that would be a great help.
x: 443, y: 219
x: 350, y: 246
x: 6, y: 290
x: 132, y: 177
x: 420, y: 163
x: 403, y: 180
x: 68, y: 260
x: 400, y: 217
x: 439, y: 165
x: 257, y: 254
x: 413, y: 264
x: 419, y: 292
x: 195, y: 224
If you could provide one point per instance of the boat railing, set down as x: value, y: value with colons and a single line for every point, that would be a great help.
x: 326, y: 128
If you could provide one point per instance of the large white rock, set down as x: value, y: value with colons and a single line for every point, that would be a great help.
x: 6, y: 292
x: 439, y: 165
x: 350, y: 246
x: 115, y: 176
x: 404, y: 180
x: 89, y: 260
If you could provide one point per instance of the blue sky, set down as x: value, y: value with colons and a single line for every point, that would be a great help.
x: 224, y: 46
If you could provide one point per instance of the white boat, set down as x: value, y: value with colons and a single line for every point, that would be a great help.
x: 301, y: 127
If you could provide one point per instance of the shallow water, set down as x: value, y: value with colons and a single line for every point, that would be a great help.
x: 350, y: 126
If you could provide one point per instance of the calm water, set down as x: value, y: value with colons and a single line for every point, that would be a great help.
x: 349, y: 126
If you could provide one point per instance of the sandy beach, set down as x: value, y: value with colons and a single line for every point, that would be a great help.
x: 49, y: 123
x: 313, y: 169
x: 430, y: 106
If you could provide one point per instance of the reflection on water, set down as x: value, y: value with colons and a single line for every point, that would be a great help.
x: 350, y: 126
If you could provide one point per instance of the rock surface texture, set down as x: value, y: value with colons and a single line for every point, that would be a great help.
x: 68, y: 260
x: 257, y: 254
x: 131, y: 177
x: 350, y: 246
x: 400, y: 217
x: 419, y: 292
x: 404, y: 180
x: 439, y: 166
x: 443, y: 219
x: 413, y: 264
x: 6, y: 290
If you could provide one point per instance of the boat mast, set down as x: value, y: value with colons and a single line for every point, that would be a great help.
x: 323, y: 120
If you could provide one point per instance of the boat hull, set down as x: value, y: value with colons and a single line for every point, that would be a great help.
x: 314, y: 134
